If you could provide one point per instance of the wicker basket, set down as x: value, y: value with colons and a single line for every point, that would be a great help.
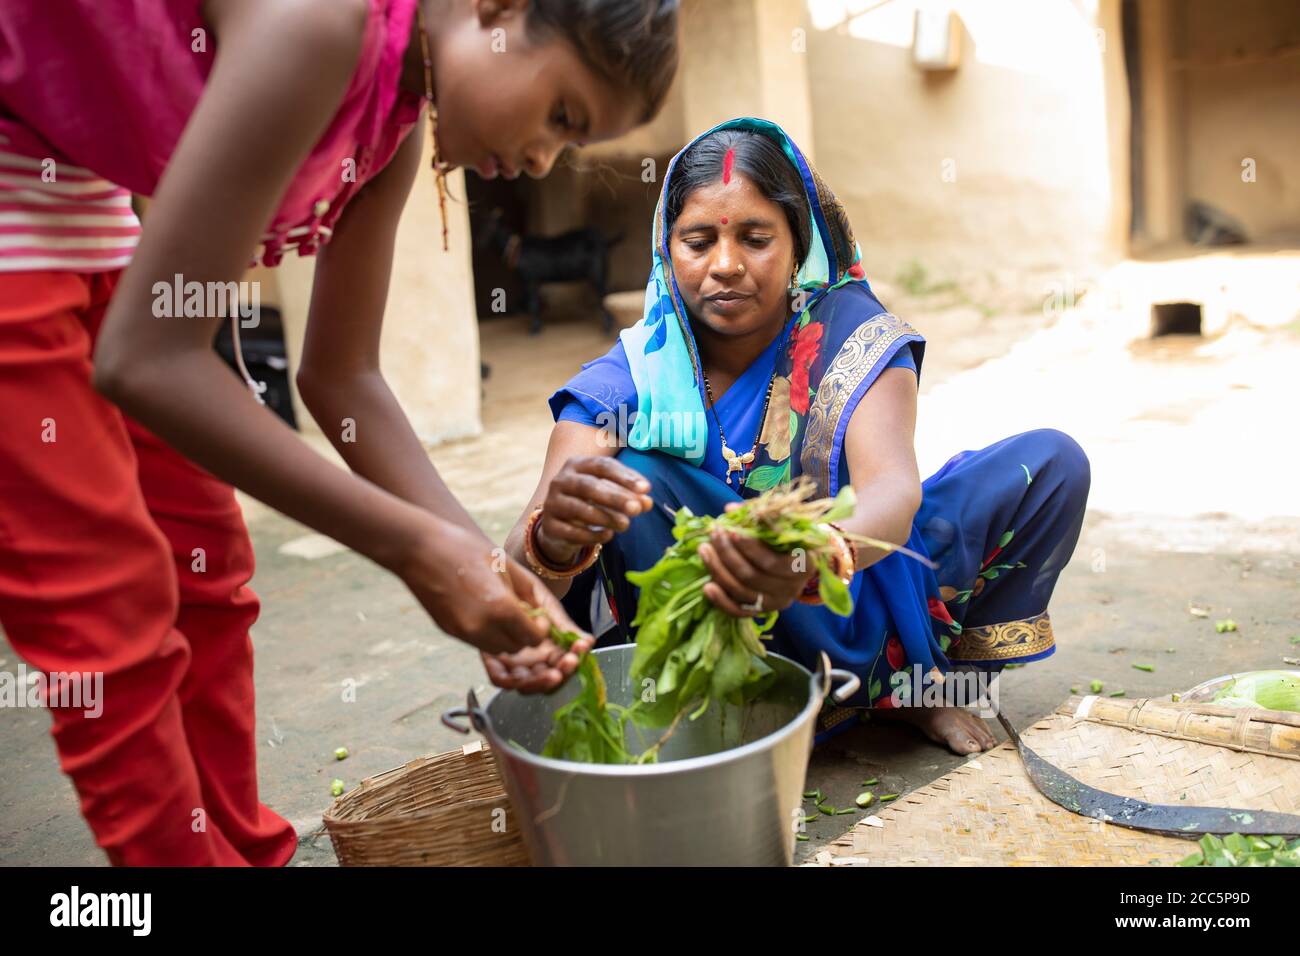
x: 445, y: 810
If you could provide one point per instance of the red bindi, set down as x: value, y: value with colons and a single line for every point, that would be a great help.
x: 724, y: 220
x: 728, y: 161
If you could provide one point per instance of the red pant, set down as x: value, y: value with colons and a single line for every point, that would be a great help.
x: 100, y: 526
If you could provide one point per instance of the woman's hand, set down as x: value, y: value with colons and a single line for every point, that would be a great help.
x: 589, y: 500
x: 477, y: 593
x: 745, y: 570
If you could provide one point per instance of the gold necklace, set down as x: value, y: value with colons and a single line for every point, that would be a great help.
x: 439, y: 167
x: 738, y: 462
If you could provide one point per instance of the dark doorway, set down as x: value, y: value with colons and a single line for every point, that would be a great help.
x: 1175, y: 318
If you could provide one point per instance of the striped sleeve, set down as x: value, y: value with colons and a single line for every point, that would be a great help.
x: 55, y: 216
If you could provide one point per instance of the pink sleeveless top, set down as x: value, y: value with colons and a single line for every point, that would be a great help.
x: 108, y: 86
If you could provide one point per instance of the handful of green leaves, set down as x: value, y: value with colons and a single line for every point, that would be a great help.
x: 690, y: 653
x: 588, y: 729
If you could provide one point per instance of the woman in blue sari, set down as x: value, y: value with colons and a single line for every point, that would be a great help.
x: 763, y: 355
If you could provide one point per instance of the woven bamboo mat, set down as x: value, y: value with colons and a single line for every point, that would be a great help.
x: 988, y: 813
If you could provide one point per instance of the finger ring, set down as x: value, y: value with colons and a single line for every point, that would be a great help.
x: 756, y: 607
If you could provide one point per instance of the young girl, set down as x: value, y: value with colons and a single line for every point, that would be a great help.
x: 764, y: 355
x: 256, y: 126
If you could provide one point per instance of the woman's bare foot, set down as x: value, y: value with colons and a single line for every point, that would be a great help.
x: 956, y: 728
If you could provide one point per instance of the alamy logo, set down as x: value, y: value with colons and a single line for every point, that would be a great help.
x: 179, y: 299
x: 75, y: 908
x: 74, y: 690
x: 973, y: 689
x: 620, y: 428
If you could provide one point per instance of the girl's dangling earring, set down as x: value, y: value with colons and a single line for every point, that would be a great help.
x: 440, y: 168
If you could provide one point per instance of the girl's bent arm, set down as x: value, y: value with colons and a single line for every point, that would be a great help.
x: 280, y: 71
x: 340, y: 377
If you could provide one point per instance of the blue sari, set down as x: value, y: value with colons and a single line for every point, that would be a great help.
x: 1000, y: 522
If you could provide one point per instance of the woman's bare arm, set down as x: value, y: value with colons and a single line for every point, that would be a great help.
x: 880, y: 445
x: 568, y: 440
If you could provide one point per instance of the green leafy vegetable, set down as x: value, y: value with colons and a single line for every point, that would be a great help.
x: 691, y: 652
x: 586, y: 729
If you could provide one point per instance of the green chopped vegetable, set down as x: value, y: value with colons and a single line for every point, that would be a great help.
x: 801, y: 837
x: 1118, y: 693
x: 844, y: 810
x: 1144, y: 667
x: 870, y: 783
x: 1096, y: 686
x: 888, y: 796
x: 1238, y: 850
x: 336, y: 787
x: 1272, y: 690
x: 828, y: 810
x: 340, y: 753
x: 1074, y: 690
x: 865, y: 799
x: 1225, y: 625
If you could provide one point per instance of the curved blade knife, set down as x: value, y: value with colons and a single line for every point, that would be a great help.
x: 1190, y: 823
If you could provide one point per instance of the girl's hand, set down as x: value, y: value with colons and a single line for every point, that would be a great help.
x: 744, y: 569
x: 454, y: 574
x: 589, y: 500
x: 536, y: 669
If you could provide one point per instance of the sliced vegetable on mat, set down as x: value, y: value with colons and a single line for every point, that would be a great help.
x: 1237, y: 850
x: 1272, y: 690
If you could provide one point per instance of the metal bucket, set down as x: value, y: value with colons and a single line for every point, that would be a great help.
x: 726, y: 792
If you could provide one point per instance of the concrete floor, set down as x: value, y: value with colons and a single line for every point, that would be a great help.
x: 1193, y: 448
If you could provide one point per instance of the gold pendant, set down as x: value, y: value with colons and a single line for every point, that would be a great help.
x: 736, y: 462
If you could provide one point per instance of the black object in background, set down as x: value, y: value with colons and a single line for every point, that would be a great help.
x: 266, y: 358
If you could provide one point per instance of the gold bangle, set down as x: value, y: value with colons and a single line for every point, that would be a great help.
x: 543, y: 568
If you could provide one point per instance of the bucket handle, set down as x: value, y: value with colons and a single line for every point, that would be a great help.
x: 848, y: 682
x: 451, y: 719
